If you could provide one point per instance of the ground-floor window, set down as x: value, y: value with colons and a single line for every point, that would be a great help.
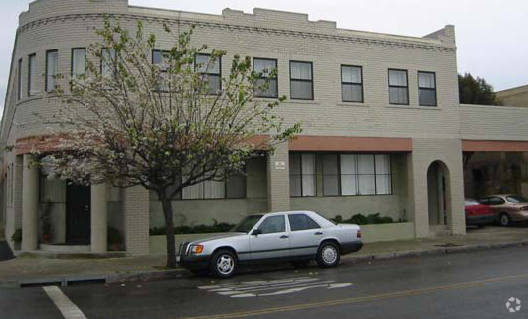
x: 356, y: 174
x: 302, y: 175
x: 233, y: 188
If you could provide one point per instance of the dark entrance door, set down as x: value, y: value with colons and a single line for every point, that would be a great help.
x: 77, y: 215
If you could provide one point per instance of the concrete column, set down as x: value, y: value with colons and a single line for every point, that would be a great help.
x: 98, y: 218
x: 279, y: 179
x: 30, y: 203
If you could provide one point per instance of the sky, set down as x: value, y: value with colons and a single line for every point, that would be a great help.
x: 491, y: 34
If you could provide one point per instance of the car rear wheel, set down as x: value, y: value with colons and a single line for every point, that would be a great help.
x: 224, y: 264
x: 328, y: 255
x: 505, y: 220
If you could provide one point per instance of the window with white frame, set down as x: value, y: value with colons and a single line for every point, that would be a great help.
x: 211, y: 72
x: 301, y: 80
x: 427, y: 88
x: 356, y: 174
x: 108, y: 66
x: 398, y: 87
x: 52, y: 69
x: 160, y: 58
x: 351, y: 83
x: 31, y: 73
x: 265, y: 67
x: 302, y: 175
x: 78, y: 66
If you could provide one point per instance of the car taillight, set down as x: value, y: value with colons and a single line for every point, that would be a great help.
x: 358, y: 234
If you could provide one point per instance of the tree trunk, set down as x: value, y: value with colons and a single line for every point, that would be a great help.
x: 169, y: 226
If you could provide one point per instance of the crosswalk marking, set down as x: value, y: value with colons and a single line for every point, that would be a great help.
x: 68, y: 309
x: 271, y: 288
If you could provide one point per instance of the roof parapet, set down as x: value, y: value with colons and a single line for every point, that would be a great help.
x: 445, y: 35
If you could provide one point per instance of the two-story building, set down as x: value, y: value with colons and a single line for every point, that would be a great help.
x: 383, y: 131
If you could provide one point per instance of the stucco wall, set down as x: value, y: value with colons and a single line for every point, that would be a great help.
x: 485, y: 122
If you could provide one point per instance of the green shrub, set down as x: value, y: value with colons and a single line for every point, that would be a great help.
x: 17, y: 236
x: 198, y: 229
x: 361, y: 219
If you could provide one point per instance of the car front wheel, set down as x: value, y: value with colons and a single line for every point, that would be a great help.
x: 505, y: 220
x: 328, y: 255
x: 223, y: 264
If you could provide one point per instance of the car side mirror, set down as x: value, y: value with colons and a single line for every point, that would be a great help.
x: 256, y: 232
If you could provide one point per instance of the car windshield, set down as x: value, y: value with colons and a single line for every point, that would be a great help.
x: 471, y: 202
x: 246, y: 224
x: 516, y: 199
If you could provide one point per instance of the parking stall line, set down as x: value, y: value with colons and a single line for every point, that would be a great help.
x: 68, y: 309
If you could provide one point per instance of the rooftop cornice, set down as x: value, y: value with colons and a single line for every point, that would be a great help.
x: 401, y: 42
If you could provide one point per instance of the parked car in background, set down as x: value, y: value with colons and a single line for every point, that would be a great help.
x: 509, y: 208
x: 478, y: 214
x: 294, y: 236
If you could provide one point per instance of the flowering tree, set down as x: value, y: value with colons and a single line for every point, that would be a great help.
x: 165, y: 125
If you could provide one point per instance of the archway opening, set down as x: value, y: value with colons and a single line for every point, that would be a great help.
x: 438, y: 196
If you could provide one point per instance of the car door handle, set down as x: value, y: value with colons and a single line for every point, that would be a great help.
x: 284, y: 236
x: 318, y: 233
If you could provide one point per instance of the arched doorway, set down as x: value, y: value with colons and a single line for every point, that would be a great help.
x: 438, y: 196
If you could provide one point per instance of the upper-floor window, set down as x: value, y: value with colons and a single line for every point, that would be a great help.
x: 211, y: 72
x: 356, y: 174
x: 160, y: 58
x: 52, y: 69
x: 302, y: 175
x: 78, y: 66
x: 108, y: 65
x: 351, y: 83
x: 398, y: 87
x: 301, y: 80
x: 31, y: 73
x: 19, y: 82
x: 265, y: 67
x: 427, y: 88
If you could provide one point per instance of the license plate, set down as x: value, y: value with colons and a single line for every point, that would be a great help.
x: 178, y: 258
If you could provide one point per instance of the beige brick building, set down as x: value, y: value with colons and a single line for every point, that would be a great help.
x: 383, y: 131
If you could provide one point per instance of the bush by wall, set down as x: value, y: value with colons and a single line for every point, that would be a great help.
x: 198, y: 229
x: 361, y: 219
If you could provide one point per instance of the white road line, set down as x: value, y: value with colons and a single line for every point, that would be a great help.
x: 68, y: 309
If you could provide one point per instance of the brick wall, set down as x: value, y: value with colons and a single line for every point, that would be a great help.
x: 136, y: 210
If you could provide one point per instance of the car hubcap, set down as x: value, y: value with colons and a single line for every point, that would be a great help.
x: 225, y: 264
x: 504, y: 220
x: 329, y: 254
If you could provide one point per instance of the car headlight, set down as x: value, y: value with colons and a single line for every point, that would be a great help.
x: 196, y: 249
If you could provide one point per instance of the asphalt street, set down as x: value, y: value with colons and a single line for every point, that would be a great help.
x: 463, y: 285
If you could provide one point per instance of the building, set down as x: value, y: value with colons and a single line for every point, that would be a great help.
x: 517, y: 96
x: 383, y: 129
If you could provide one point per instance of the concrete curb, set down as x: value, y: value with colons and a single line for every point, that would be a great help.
x: 177, y: 273
x: 432, y: 251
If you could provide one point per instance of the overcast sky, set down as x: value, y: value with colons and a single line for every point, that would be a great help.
x: 491, y: 34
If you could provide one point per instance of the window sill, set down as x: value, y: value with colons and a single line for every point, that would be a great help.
x: 341, y: 103
x: 414, y: 107
x: 301, y: 102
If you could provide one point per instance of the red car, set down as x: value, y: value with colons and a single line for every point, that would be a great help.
x: 478, y: 214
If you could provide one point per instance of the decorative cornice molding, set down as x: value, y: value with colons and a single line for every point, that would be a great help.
x: 234, y: 27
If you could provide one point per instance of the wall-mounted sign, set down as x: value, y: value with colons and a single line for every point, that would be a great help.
x: 280, y: 165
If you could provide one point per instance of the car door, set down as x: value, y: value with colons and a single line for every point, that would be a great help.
x: 497, y: 204
x: 305, y: 235
x: 273, y: 242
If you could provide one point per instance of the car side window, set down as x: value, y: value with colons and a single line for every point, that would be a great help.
x: 301, y: 222
x: 496, y: 201
x: 273, y: 224
x: 484, y: 201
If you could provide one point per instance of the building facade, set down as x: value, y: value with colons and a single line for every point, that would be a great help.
x: 383, y: 131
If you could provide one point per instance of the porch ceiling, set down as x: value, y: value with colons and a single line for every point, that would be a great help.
x: 350, y: 143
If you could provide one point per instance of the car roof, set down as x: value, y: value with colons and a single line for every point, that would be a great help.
x: 289, y: 212
x: 498, y: 195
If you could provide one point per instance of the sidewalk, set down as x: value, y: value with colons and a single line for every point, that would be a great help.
x: 31, y: 270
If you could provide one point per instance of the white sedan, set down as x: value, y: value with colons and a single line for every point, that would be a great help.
x: 293, y: 236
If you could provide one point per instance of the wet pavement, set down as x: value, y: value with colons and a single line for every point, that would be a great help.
x: 462, y: 285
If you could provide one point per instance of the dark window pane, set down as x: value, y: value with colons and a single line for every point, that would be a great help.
x: 352, y: 92
x: 427, y: 97
x: 398, y: 95
x: 301, y: 222
x: 271, y: 90
x: 273, y: 224
x: 301, y: 90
